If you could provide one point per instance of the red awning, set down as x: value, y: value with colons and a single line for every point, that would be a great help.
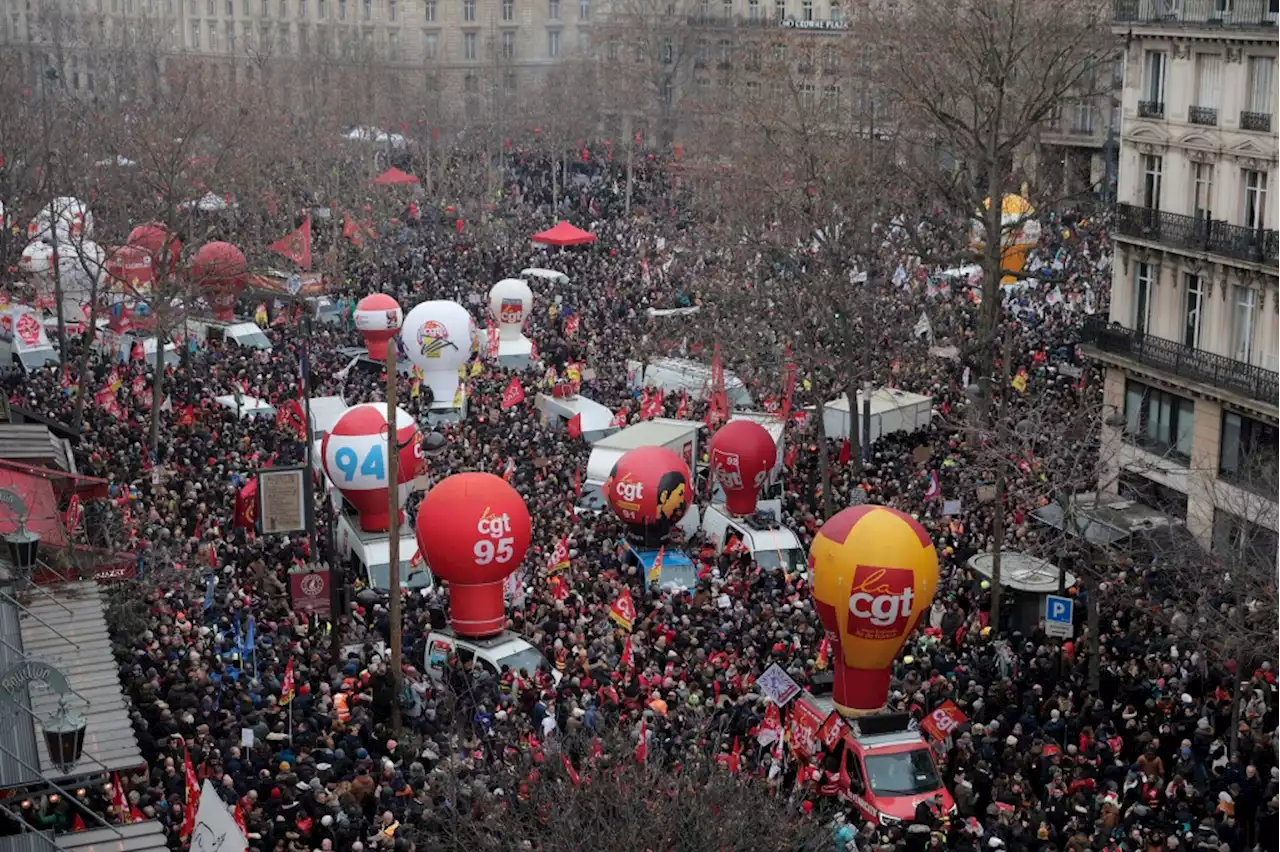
x: 394, y: 177
x: 565, y: 234
x: 88, y: 487
x: 27, y: 499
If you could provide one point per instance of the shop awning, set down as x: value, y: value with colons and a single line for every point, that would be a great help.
x: 67, y: 629
x: 147, y: 836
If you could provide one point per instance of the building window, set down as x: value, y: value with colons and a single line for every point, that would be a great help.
x: 1202, y: 191
x: 469, y: 10
x: 668, y: 51
x: 508, y: 10
x: 584, y: 10
x: 612, y: 50
x: 430, y: 45
x: 1153, y: 77
x: 284, y: 8
x: 806, y: 9
x: 366, y: 10
x: 753, y: 10
x: 553, y: 10
x: 1262, y: 74
x: 213, y: 37
x: 1152, y: 166
x: 342, y: 10
x: 831, y: 99
x: 702, y: 50
x: 1144, y: 287
x: 302, y: 9
x: 231, y: 36
x: 431, y: 11
x: 322, y: 9
x: 1238, y: 541
x: 1255, y: 199
x: 509, y: 81
x: 471, y: 84
x: 553, y: 43
x: 1208, y: 76
x: 779, y: 9
x: 195, y: 35
x: 391, y: 10
x: 508, y: 44
x: 468, y: 45
x: 1242, y: 323
x: 668, y: 92
x: 1158, y: 420
x: 1247, y: 454
x: 1193, y: 310
x: 808, y: 95
x: 266, y: 8
x: 393, y: 45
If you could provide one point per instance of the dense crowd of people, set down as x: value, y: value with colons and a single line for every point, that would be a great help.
x: 1149, y: 757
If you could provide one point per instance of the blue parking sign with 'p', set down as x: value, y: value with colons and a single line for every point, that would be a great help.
x: 1058, y: 615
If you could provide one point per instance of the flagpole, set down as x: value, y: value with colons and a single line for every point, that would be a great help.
x: 393, y: 529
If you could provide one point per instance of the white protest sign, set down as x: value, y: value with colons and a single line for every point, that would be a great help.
x: 216, y: 829
x: 778, y: 686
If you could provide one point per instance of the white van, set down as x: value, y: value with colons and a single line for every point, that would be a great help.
x: 247, y: 407
x: 676, y: 375
x: 118, y: 345
x: 29, y: 347
x: 770, y: 544
x: 558, y: 411
x: 369, y: 555
x: 246, y: 334
x: 493, y: 653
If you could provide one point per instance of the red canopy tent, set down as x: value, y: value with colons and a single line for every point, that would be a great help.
x: 564, y: 234
x: 394, y: 177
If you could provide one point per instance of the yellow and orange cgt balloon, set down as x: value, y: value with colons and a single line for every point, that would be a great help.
x: 874, y: 573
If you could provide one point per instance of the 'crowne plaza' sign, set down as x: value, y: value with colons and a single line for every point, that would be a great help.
x: 793, y: 23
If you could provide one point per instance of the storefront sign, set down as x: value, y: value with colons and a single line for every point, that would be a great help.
x: 310, y: 593
x: 792, y: 23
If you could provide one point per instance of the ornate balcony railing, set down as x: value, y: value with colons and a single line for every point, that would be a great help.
x: 1260, y: 245
x: 1203, y: 115
x: 1183, y: 361
x: 1224, y: 13
x: 1256, y: 121
x: 1150, y: 109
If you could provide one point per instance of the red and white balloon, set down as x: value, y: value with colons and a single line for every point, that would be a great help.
x: 355, y: 458
x: 378, y: 318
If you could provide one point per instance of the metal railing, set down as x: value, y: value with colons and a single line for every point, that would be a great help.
x: 1203, y: 115
x: 1186, y: 362
x: 713, y: 19
x: 1150, y: 109
x: 1224, y: 13
x: 1261, y: 245
x: 1256, y: 121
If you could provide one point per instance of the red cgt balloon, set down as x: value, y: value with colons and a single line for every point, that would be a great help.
x: 474, y: 529
x: 742, y: 454
x: 649, y: 489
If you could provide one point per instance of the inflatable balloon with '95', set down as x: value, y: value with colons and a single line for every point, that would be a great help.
x: 474, y: 529
x: 438, y: 338
x: 355, y: 459
x: 874, y: 572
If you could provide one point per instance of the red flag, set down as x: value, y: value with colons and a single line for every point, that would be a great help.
x: 513, y: 395
x: 628, y: 660
x: 351, y: 230
x: 135, y: 814
x: 788, y: 385
x: 683, y: 411
x: 188, y: 416
x: 560, y: 556
x: 574, y: 777
x: 138, y: 387
x: 619, y: 420
x: 793, y: 453
x: 106, y: 400
x: 719, y: 401
x: 291, y: 419
x: 623, y: 611
x: 246, y: 509
x: 296, y: 246
x: 118, y: 802
x: 846, y: 452
x: 597, y: 750
x: 77, y: 823
x: 238, y: 816
x: 575, y: 426
x: 652, y: 406
x: 933, y: 490
x: 577, y: 483
x: 287, y: 688
x: 571, y: 325
x: 642, y: 747
x: 824, y: 654
x: 193, y: 796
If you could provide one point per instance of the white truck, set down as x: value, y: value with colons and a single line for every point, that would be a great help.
x: 680, y: 436
x: 368, y: 554
x: 493, y: 653
x: 677, y: 375
x: 596, y: 419
x: 246, y: 334
x: 763, y: 535
x: 24, y: 343
x: 892, y: 410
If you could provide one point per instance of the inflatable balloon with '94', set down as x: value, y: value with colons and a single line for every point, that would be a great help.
x: 355, y: 459
x: 474, y: 529
x: 378, y: 318
x: 438, y: 337
x: 874, y: 573
x: 649, y: 490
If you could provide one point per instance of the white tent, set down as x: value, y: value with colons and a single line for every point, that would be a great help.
x: 892, y: 411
